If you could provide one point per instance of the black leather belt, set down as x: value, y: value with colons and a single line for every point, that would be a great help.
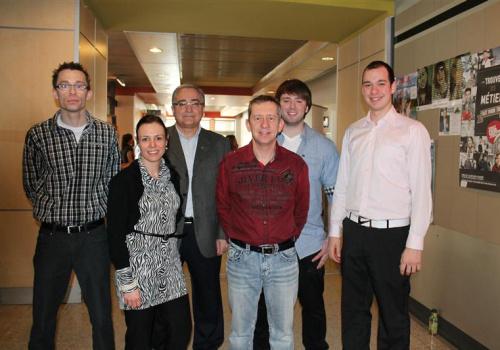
x: 265, y: 249
x: 73, y: 228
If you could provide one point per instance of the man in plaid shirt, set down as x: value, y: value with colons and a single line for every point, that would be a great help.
x: 67, y: 164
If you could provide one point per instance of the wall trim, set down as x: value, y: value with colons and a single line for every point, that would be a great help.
x: 446, y: 330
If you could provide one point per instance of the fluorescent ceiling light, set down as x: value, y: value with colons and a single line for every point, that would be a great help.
x: 121, y: 81
x: 155, y: 50
x: 327, y: 58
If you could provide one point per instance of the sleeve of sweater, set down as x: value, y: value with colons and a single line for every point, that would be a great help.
x: 122, y: 214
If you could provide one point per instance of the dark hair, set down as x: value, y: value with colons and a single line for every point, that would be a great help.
x: 70, y: 66
x: 295, y: 87
x: 261, y: 99
x: 188, y: 86
x: 233, y: 141
x: 378, y: 64
x: 438, y: 66
x: 125, y: 140
x: 467, y: 89
x: 150, y: 119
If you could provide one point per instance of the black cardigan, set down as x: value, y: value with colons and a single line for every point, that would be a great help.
x: 125, y: 191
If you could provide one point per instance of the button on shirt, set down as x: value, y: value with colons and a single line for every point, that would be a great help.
x: 262, y: 204
x: 322, y: 159
x: 384, y: 174
x: 189, y: 150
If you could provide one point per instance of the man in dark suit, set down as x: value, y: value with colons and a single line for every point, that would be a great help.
x: 195, y: 154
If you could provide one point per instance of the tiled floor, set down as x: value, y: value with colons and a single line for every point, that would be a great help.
x: 74, y: 330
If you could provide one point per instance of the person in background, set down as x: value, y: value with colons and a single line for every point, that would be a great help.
x: 127, y: 152
x: 233, y: 141
x: 68, y: 162
x: 263, y: 201
x: 143, y: 204
x: 383, y: 204
x: 195, y: 153
x: 322, y: 159
x: 496, y: 166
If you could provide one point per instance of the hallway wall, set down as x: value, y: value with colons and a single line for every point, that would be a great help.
x: 36, y: 37
x: 461, y: 274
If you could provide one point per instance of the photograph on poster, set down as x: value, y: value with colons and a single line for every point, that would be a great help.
x: 405, y: 97
x: 456, y: 78
x: 470, y: 67
x: 441, y: 82
x: 424, y: 91
x: 450, y: 120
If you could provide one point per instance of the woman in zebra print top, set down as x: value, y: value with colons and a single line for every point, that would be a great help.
x: 143, y: 210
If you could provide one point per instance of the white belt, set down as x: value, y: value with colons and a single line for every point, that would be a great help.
x: 378, y: 223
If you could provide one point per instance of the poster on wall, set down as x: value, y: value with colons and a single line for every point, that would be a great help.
x: 450, y: 121
x: 480, y: 131
x: 424, y: 90
x: 405, y: 97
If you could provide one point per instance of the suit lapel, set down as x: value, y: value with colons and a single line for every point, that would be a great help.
x: 175, y: 148
x: 202, y: 148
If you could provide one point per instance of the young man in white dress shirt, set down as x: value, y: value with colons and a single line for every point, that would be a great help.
x: 383, y: 205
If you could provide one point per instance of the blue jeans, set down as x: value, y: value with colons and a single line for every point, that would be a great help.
x: 247, y: 274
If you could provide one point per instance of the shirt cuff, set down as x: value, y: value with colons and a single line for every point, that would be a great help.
x: 415, y: 241
x: 125, y: 280
x: 334, y: 231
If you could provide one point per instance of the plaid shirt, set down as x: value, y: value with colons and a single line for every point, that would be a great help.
x: 66, y: 181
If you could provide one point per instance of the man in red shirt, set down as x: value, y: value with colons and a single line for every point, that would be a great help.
x: 263, y: 201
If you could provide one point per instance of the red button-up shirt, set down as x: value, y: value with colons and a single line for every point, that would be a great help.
x: 262, y: 204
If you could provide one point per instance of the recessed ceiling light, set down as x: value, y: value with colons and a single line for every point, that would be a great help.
x: 270, y: 92
x: 327, y: 58
x: 162, y: 75
x: 212, y: 98
x: 155, y: 50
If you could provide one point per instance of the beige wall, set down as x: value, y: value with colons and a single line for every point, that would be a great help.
x: 33, y: 44
x: 353, y: 57
x: 461, y: 273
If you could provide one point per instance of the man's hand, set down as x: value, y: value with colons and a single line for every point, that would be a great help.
x: 411, y: 261
x: 334, y: 249
x: 222, y: 246
x: 322, y: 255
x: 132, y: 299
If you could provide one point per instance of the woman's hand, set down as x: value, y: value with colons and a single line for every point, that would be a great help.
x: 132, y: 299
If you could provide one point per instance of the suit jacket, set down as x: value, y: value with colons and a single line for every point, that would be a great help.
x: 209, y: 152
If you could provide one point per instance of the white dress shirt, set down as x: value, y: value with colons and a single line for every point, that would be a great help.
x: 385, y: 174
x: 189, y: 150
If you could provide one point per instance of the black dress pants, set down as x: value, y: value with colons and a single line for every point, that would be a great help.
x: 206, y: 296
x: 56, y: 255
x: 176, y: 317
x: 370, y: 266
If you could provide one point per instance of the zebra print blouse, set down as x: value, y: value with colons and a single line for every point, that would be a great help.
x: 155, y: 267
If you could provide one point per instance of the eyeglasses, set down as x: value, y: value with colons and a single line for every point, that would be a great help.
x: 67, y: 87
x: 184, y: 104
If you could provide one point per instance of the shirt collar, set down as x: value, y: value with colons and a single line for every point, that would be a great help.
x: 249, y: 156
x: 184, y: 136
x: 307, y: 133
x: 90, y: 120
x: 389, y: 118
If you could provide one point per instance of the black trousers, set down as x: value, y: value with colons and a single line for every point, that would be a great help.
x: 56, y: 255
x: 370, y: 266
x: 311, y: 287
x: 176, y: 318
x: 206, y: 295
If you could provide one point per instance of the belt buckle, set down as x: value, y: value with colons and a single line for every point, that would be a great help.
x: 367, y: 221
x: 268, y: 249
x: 74, y: 229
